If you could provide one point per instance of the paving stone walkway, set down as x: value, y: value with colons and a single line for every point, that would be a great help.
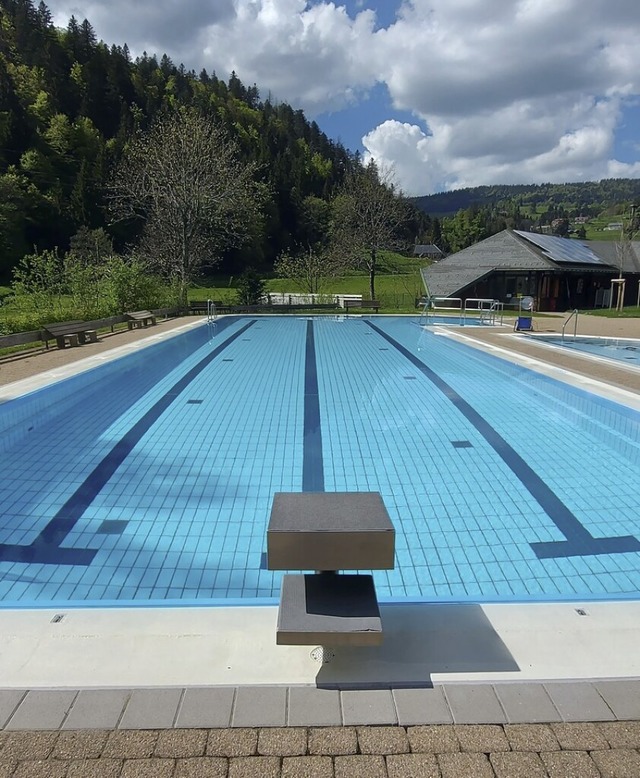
x: 230, y: 732
x: 558, y: 750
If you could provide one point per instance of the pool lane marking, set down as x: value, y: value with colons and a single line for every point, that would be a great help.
x: 46, y: 549
x: 312, y: 461
x: 579, y: 541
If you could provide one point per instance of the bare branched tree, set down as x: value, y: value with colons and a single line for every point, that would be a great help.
x: 309, y: 268
x: 368, y: 215
x: 185, y: 180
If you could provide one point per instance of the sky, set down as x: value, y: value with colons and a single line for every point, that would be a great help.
x: 443, y: 94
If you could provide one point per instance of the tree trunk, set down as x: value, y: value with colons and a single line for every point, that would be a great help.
x: 372, y: 275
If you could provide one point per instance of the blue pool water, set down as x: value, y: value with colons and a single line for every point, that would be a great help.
x: 625, y: 350
x: 150, y: 479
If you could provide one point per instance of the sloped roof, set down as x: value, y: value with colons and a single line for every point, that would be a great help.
x: 500, y: 251
x: 510, y: 251
x: 612, y: 253
x: 427, y: 250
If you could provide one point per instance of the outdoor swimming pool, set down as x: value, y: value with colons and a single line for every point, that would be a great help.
x: 625, y: 350
x: 149, y: 480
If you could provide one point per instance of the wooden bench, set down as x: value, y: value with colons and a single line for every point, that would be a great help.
x: 327, y: 532
x: 139, y: 319
x: 68, y: 333
x: 374, y: 304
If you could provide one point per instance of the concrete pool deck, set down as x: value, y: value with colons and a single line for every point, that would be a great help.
x: 455, y: 690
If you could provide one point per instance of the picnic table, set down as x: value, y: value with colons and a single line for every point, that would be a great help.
x: 68, y: 333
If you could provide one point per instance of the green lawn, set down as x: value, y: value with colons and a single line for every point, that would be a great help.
x: 398, y: 283
x: 631, y: 312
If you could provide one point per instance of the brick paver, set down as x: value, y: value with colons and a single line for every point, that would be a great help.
x: 181, y: 743
x: 569, y: 764
x: 382, y: 740
x: 465, y: 766
x: 437, y: 738
x: 483, y: 738
x: 517, y: 765
x: 307, y: 767
x: 367, y: 766
x: 232, y: 742
x: 410, y: 765
x: 130, y: 744
x: 95, y: 768
x: 148, y: 768
x: 621, y: 734
x: 531, y: 737
x: 581, y: 750
x: 282, y: 741
x: 202, y: 767
x: 622, y: 763
x: 580, y: 736
x: 333, y: 741
x: 87, y: 744
x: 40, y: 769
x: 254, y: 767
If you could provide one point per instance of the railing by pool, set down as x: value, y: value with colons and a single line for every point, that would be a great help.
x: 486, y: 310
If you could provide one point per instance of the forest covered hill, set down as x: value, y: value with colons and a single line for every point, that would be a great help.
x: 589, y: 198
x: 70, y: 103
x: 462, y: 217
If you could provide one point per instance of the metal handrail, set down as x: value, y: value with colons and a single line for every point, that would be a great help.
x: 211, y: 311
x: 496, y: 306
x: 454, y: 307
x: 485, y: 306
x: 573, y: 314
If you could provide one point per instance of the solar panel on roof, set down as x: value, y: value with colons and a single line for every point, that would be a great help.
x: 562, y: 249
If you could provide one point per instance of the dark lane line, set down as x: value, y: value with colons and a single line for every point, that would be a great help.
x: 46, y: 548
x: 312, y: 461
x: 579, y: 541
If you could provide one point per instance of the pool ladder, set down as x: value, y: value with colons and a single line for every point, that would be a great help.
x: 572, y: 315
x: 212, y: 314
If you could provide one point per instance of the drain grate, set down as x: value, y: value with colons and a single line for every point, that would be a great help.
x: 194, y: 402
x: 461, y: 444
x: 322, y: 655
x: 57, y: 618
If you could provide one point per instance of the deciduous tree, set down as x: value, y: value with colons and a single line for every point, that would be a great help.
x: 186, y: 182
x: 368, y: 215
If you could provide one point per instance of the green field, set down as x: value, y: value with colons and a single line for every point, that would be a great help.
x: 398, y: 283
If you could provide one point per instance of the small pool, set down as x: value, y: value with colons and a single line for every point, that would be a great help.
x: 625, y: 350
x: 149, y: 479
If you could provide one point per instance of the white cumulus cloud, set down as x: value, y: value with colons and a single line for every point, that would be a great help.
x: 500, y: 91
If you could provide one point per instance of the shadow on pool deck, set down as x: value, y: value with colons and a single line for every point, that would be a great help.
x: 419, y: 642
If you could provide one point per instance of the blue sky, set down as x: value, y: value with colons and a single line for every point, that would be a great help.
x: 442, y: 93
x: 349, y: 125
